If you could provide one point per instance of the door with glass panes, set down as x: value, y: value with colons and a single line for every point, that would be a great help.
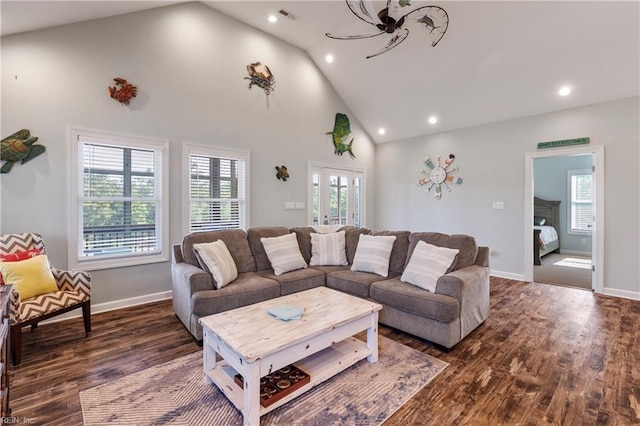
x: 337, y: 197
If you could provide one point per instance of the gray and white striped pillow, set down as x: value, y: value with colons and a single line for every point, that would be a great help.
x: 427, y: 264
x: 372, y: 254
x: 283, y: 253
x: 328, y: 249
x: 216, y: 259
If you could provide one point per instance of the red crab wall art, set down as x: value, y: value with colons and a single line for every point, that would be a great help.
x: 123, y: 91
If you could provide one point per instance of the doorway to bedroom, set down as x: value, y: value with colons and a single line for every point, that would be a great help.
x: 561, y: 217
x: 563, y: 213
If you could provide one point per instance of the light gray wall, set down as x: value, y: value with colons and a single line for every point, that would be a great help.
x: 491, y: 160
x: 550, y: 182
x: 189, y: 63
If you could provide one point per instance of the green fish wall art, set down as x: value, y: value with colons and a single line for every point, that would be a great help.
x: 341, y: 130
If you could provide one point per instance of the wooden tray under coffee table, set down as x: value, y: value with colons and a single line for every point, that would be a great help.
x: 253, y: 344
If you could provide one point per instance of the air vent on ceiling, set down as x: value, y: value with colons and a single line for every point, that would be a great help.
x: 288, y: 14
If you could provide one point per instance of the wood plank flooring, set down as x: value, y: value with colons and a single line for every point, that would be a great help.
x: 546, y: 355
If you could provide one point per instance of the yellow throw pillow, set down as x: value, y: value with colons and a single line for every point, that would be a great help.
x: 31, y: 277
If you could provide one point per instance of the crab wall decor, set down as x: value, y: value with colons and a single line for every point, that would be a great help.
x: 282, y: 173
x: 438, y: 175
x: 261, y: 76
x: 123, y: 91
x: 20, y: 146
x: 433, y: 19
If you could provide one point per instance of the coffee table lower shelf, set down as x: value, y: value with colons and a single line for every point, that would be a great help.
x: 320, y: 366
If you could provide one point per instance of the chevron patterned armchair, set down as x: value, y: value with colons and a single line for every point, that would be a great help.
x: 74, y: 291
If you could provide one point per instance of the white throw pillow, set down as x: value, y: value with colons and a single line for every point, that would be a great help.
x: 328, y: 249
x: 283, y: 253
x: 427, y: 264
x: 218, y: 261
x: 372, y: 254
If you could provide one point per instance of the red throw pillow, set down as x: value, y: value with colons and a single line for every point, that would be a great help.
x: 17, y: 257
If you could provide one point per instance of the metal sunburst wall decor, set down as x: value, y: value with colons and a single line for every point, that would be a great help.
x: 393, y: 17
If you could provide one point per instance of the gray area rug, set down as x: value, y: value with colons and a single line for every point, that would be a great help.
x: 175, y: 393
x: 564, y: 269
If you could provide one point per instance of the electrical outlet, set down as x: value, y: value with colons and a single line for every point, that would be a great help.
x: 498, y: 205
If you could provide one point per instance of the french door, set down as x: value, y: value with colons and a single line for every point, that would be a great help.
x: 336, y: 196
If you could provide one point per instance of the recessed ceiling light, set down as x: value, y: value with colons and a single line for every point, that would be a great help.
x: 381, y: 131
x: 564, y: 91
x: 433, y: 119
x: 273, y: 18
x: 329, y: 58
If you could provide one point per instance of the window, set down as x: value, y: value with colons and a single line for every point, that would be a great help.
x: 217, y: 188
x: 581, y: 196
x: 119, y: 212
x: 336, y: 197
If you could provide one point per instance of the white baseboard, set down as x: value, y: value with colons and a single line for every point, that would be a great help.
x: 111, y: 306
x: 507, y: 275
x: 622, y: 293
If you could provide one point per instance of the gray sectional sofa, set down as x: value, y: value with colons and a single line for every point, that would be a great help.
x: 459, y: 304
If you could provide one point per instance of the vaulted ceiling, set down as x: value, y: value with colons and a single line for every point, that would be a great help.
x: 496, y: 61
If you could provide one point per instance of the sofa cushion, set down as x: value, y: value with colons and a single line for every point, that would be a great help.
x: 427, y: 264
x: 372, y: 254
x: 295, y: 281
x: 351, y: 237
x: 245, y: 290
x: 283, y: 253
x: 328, y: 249
x: 303, y: 235
x: 465, y: 243
x: 400, y: 248
x: 215, y: 258
x: 254, y: 235
x: 234, y: 239
x: 353, y: 282
x: 414, y: 300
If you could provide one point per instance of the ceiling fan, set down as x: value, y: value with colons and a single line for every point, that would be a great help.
x: 433, y: 18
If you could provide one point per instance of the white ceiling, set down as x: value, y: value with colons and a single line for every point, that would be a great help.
x: 498, y: 60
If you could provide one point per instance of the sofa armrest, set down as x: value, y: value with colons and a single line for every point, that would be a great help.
x: 470, y: 286
x: 190, y: 279
x: 482, y: 258
x: 177, y: 254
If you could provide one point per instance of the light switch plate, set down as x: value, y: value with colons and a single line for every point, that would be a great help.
x: 498, y: 205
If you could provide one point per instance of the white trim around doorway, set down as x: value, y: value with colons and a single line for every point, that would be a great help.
x: 597, y: 248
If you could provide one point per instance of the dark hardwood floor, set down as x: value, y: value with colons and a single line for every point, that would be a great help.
x: 546, y: 355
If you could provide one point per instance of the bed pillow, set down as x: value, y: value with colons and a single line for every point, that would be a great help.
x: 328, y: 249
x: 427, y: 264
x: 283, y: 253
x: 539, y: 221
x: 216, y: 259
x: 30, y: 277
x: 372, y: 254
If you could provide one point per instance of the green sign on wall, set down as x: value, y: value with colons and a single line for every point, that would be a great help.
x: 564, y: 142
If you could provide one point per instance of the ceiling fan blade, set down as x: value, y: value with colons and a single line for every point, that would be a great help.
x: 396, y: 38
x: 434, y: 19
x: 359, y: 8
x: 354, y: 37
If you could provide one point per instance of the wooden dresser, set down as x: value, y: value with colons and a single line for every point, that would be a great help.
x: 5, y: 297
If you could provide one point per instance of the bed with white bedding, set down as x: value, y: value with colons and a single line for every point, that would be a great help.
x: 546, y: 238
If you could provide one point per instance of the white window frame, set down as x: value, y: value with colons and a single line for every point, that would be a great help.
x: 320, y: 168
x: 570, y: 228
x: 208, y: 151
x: 76, y: 195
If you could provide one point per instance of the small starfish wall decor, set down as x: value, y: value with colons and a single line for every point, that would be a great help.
x: 392, y: 19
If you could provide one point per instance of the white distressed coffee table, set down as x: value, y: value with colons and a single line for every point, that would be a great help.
x: 253, y: 343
